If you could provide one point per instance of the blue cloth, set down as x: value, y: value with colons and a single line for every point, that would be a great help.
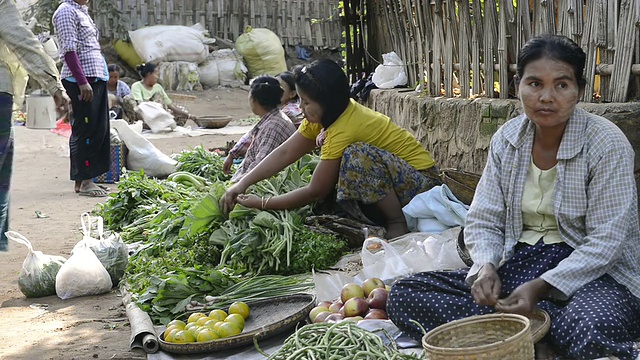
x: 6, y: 164
x: 599, y: 320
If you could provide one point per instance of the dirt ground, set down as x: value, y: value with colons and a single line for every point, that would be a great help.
x: 94, y: 327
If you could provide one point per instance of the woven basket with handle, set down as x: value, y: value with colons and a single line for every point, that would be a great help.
x: 491, y: 336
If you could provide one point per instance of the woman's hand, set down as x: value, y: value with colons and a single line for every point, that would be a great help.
x: 251, y: 201
x: 61, y: 100
x: 86, y: 92
x: 524, y: 299
x: 226, y: 166
x: 486, y: 288
x: 230, y: 196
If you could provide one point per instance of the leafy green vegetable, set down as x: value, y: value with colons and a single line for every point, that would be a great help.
x: 312, y: 250
x: 201, y: 162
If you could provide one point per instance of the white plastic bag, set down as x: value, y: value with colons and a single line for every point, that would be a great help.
x: 402, y: 257
x: 83, y: 274
x: 170, y: 43
x: 442, y: 249
x: 156, y: 117
x: 38, y: 275
x: 142, y: 153
x: 435, y: 210
x: 391, y: 73
x: 108, y: 247
x: 223, y: 67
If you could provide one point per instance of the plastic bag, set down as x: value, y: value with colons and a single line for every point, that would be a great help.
x: 38, y: 275
x: 391, y: 73
x: 262, y: 51
x: 108, y: 247
x: 170, y: 43
x: 402, y: 257
x: 83, y: 274
x: 435, y: 211
x: 156, y: 117
x: 223, y: 67
x: 142, y: 153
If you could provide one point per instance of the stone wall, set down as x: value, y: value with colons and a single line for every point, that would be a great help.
x: 457, y: 131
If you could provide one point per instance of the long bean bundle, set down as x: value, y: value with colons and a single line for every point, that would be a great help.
x: 343, y: 340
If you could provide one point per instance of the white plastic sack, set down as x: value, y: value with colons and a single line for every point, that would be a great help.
x: 108, y: 247
x: 391, y: 73
x: 170, y: 43
x: 142, y: 153
x: 223, y: 67
x: 82, y: 275
x: 435, y: 211
x: 156, y: 117
x: 179, y: 75
x: 38, y: 275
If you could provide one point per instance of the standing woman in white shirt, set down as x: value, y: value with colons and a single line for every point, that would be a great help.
x: 84, y: 76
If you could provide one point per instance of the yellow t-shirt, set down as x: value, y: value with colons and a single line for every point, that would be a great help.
x: 361, y: 124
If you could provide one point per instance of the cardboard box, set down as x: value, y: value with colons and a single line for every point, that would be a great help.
x: 118, y: 162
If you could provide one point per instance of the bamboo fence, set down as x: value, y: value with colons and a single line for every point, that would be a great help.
x: 469, y: 48
x: 314, y: 23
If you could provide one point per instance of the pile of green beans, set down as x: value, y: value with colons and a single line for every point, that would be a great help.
x: 343, y: 340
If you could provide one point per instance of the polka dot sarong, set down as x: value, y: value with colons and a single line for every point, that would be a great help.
x: 600, y: 319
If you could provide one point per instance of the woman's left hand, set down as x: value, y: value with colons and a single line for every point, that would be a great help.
x: 250, y: 201
x: 524, y: 299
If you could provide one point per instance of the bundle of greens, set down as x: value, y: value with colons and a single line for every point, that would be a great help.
x: 201, y: 162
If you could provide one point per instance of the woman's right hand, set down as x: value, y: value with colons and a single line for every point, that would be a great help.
x: 486, y: 289
x: 230, y: 196
x: 226, y: 166
x: 86, y: 92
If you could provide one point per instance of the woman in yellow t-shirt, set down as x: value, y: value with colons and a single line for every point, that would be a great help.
x: 148, y: 89
x: 364, y: 156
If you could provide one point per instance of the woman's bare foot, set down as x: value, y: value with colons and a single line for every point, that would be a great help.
x: 89, y: 188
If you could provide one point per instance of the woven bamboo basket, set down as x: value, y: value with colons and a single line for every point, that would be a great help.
x: 462, y: 183
x: 484, y: 337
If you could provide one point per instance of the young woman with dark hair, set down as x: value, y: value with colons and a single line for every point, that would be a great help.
x: 368, y: 158
x: 272, y: 130
x: 553, y: 223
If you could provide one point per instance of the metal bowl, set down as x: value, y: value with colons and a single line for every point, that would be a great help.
x: 213, y: 121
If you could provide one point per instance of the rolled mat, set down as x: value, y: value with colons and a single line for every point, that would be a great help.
x: 143, y: 334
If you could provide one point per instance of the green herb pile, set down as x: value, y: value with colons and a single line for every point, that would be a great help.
x: 187, y: 249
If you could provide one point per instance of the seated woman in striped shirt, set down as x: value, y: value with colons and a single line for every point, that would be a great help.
x: 553, y: 223
x: 272, y: 130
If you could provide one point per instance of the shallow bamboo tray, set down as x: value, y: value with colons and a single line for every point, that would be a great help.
x: 268, y: 317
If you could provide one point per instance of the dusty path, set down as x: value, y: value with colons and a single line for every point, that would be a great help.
x: 92, y: 327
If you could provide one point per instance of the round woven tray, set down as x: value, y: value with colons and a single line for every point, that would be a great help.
x: 492, y: 336
x: 268, y: 318
x: 213, y: 121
